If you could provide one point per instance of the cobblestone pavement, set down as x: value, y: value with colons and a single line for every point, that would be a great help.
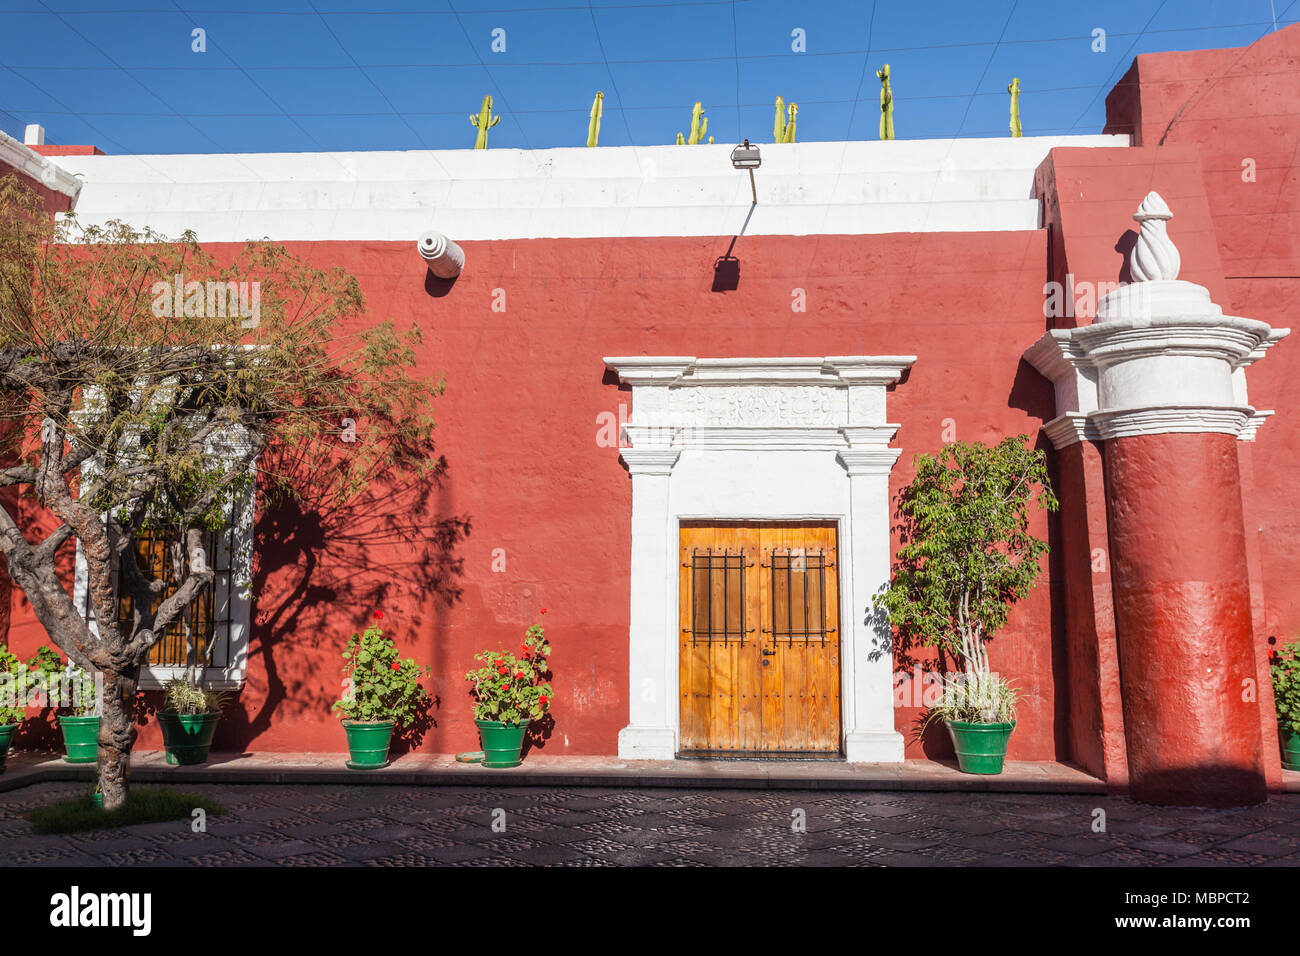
x: 430, y: 826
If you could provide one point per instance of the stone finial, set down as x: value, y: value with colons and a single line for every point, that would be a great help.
x: 1154, y: 256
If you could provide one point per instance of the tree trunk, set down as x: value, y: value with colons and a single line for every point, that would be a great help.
x: 116, y: 735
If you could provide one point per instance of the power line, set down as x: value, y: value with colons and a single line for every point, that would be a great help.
x: 648, y: 61
x: 382, y: 94
x: 491, y: 79
x: 391, y: 13
x: 258, y: 86
x: 1125, y: 59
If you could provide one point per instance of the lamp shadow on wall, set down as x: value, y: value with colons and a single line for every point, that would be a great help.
x: 726, y: 268
x: 312, y: 557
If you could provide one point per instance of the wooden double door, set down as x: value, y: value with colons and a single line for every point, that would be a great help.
x: 760, y: 638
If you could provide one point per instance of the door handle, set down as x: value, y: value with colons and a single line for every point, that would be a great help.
x: 767, y: 653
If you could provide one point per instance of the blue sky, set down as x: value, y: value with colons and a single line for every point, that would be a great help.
x: 290, y: 75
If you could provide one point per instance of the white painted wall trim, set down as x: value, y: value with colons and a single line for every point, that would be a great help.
x: 759, y: 439
x: 813, y: 188
x: 40, y: 168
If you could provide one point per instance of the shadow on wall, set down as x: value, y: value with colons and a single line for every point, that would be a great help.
x: 389, y: 545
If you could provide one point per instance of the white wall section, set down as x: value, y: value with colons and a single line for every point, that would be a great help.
x: 847, y: 188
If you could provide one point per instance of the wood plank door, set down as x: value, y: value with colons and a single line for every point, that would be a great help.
x: 760, y: 642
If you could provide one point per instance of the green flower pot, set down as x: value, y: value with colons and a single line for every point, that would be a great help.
x: 981, y: 748
x: 80, y: 739
x: 501, y: 742
x: 368, y: 743
x: 187, y: 737
x: 97, y: 799
x: 6, y: 738
x: 1290, y: 748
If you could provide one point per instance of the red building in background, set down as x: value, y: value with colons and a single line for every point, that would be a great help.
x: 642, y: 367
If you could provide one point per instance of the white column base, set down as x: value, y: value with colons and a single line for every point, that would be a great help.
x: 873, y: 746
x: 647, y: 743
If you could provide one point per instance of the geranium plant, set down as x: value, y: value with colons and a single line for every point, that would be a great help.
x: 15, y: 682
x: 1284, y: 665
x: 65, y: 685
x: 379, y: 684
x: 512, y: 689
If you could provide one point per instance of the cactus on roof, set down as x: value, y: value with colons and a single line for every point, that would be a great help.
x: 597, y: 110
x: 886, y: 104
x: 699, y: 126
x: 484, y: 121
x: 783, y: 125
x: 1014, y: 90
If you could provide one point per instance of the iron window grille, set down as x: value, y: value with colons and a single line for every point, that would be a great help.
x: 717, y: 596
x: 799, y: 595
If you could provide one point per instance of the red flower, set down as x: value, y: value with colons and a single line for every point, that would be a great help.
x: 543, y: 610
x: 397, y: 665
x: 379, y: 615
x: 544, y: 699
x: 520, y: 675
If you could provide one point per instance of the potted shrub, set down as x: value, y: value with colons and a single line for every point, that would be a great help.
x: 1285, y: 668
x: 967, y: 556
x: 509, y: 693
x: 188, y: 720
x: 73, y: 691
x: 14, y: 683
x: 381, y: 691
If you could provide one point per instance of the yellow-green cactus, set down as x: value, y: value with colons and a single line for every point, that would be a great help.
x: 593, y: 127
x: 484, y: 121
x: 1014, y: 90
x: 886, y: 104
x: 783, y: 130
x: 699, y: 126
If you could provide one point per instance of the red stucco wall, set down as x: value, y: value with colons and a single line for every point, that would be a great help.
x: 1215, y: 132
x: 518, y: 426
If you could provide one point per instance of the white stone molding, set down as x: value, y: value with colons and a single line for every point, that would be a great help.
x: 759, y: 439
x: 40, y: 168
x: 1161, y: 358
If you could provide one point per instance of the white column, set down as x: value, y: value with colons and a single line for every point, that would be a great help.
x: 650, y: 733
x: 869, y: 732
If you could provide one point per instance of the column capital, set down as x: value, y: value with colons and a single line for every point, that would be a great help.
x: 859, y: 462
x: 650, y: 461
x: 1172, y: 419
x: 1160, y: 358
x: 1070, y: 429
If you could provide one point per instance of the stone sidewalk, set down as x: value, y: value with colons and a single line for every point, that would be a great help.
x: 502, y: 825
x: 24, y: 769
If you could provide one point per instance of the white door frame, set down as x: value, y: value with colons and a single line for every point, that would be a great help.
x: 773, y: 439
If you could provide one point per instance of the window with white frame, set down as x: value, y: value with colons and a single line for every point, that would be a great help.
x: 215, y: 628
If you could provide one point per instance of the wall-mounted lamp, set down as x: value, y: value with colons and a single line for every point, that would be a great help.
x: 746, y: 156
x: 444, y: 257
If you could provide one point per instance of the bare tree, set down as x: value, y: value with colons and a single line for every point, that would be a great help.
x: 140, y: 378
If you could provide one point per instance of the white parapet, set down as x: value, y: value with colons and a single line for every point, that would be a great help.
x: 846, y: 188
